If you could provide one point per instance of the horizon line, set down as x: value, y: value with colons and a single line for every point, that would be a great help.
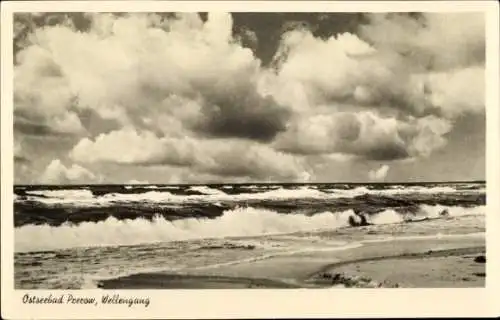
x: 249, y: 183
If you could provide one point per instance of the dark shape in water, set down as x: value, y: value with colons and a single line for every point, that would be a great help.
x: 480, y: 259
x: 444, y: 213
x: 361, y: 221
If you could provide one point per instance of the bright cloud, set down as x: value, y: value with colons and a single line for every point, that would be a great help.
x: 137, y: 182
x: 57, y: 173
x: 378, y: 174
x: 224, y: 157
x: 129, y: 68
x: 364, y: 134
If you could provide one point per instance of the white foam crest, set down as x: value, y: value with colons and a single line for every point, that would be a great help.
x: 67, y: 193
x: 206, y: 190
x: 167, y: 197
x: 150, y: 196
x: 238, y: 222
x: 79, y: 196
x: 359, y: 191
x: 139, y: 186
x: 85, y: 197
x: 454, y: 211
x: 263, y: 187
x: 426, y: 211
x: 417, y: 189
x: 281, y: 193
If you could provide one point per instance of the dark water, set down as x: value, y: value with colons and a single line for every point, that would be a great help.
x: 67, y: 237
x: 55, y: 205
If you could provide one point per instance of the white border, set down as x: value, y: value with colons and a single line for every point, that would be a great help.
x: 180, y: 304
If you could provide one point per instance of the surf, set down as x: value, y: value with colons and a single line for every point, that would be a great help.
x: 240, y: 222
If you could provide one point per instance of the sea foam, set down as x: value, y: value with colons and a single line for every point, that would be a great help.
x: 240, y: 222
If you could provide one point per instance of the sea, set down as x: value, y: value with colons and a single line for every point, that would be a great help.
x: 72, y: 237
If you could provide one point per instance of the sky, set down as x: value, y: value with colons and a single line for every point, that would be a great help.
x: 248, y: 97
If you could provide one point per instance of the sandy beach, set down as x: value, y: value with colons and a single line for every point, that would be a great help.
x: 434, y: 262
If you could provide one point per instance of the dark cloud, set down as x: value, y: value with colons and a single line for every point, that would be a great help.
x: 386, y: 153
x: 21, y: 160
x: 245, y: 115
x: 95, y: 124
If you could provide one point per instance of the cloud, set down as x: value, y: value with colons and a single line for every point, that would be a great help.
x: 222, y: 157
x: 248, y: 38
x: 379, y: 174
x: 57, y: 173
x: 318, y: 69
x: 458, y: 91
x: 123, y: 146
x: 177, y: 90
x: 130, y: 69
x: 425, y: 40
x: 137, y: 182
x: 377, y: 97
x: 364, y: 134
x: 444, y: 51
x: 397, y: 61
x: 42, y: 99
x: 19, y: 154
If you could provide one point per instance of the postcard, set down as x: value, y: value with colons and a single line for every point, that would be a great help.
x: 249, y: 159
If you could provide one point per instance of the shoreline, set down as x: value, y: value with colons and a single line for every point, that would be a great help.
x: 430, y: 269
x: 437, y: 263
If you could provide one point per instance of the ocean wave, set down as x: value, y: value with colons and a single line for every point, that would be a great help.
x: 240, y: 222
x: 206, y: 190
x: 206, y: 195
x: 394, y: 190
x: 63, y: 194
x: 165, y: 195
x: 235, y: 223
x: 425, y: 212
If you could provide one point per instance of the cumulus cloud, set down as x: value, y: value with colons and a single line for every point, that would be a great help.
x: 41, y: 98
x: 376, y: 95
x: 365, y: 134
x: 379, y: 174
x: 396, y: 61
x: 457, y: 91
x: 248, y: 38
x: 19, y: 155
x: 129, y: 68
x: 223, y: 157
x: 57, y: 173
x: 425, y: 39
x: 444, y: 51
x: 133, y: 181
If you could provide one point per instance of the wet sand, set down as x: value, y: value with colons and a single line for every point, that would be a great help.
x: 435, y: 269
x: 446, y: 262
x: 179, y: 281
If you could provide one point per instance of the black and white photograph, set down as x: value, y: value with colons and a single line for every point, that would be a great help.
x: 248, y: 150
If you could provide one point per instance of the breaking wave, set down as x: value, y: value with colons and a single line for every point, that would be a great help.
x: 155, y: 195
x: 206, y: 190
x: 240, y: 222
x: 63, y: 194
